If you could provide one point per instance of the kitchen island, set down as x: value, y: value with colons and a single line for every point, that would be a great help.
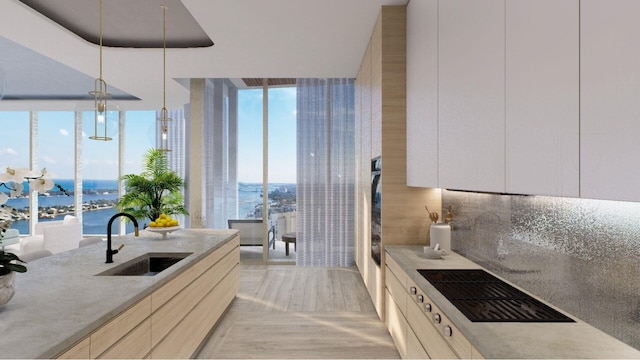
x: 61, y: 308
x: 413, y: 302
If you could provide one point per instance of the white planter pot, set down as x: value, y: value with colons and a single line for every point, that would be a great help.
x: 7, y: 287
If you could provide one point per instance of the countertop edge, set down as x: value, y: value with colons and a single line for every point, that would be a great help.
x: 145, y: 287
x: 409, y: 258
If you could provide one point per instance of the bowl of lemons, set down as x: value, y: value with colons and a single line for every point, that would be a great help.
x: 164, y: 225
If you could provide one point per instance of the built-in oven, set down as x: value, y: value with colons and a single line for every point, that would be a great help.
x: 376, y: 209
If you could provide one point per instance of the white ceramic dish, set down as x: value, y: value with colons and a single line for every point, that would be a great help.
x: 433, y: 254
x: 164, y: 230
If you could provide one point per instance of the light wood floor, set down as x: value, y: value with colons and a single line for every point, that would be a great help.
x: 287, y: 312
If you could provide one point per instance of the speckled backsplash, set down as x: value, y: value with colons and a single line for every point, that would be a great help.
x: 582, y: 256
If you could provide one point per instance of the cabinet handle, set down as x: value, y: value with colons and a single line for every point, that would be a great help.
x: 447, y: 331
x: 427, y: 307
x: 420, y: 298
x: 436, y: 318
x: 413, y: 290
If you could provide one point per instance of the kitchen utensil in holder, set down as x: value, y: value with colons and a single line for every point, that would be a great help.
x: 440, y: 233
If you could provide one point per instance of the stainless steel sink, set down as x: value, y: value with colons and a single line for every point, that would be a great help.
x: 148, y: 264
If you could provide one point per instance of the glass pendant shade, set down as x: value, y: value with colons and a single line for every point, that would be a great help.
x: 100, y: 97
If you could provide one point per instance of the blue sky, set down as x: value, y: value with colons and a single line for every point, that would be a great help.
x: 282, y: 135
x: 56, y: 137
x: 56, y: 143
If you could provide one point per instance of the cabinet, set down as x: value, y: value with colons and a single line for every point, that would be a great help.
x: 506, y: 83
x: 471, y: 95
x: 417, y: 325
x: 542, y: 97
x: 422, y: 93
x: 609, y: 106
x: 381, y: 117
x: 173, y: 321
x: 126, y: 336
x: 80, y: 350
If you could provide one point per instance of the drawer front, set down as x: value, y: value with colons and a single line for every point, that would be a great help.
x: 445, y: 328
x: 414, y: 347
x: 169, y: 315
x: 397, y: 291
x: 397, y: 270
x: 185, y: 338
x: 452, y: 335
x: 396, y: 324
x: 135, y: 345
x: 120, y: 326
x: 166, y: 292
x: 78, y: 351
x: 428, y: 334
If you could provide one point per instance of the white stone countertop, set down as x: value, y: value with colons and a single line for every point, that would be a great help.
x: 59, y: 300
x: 507, y: 340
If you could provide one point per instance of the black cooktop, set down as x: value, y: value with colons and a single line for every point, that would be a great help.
x: 482, y: 297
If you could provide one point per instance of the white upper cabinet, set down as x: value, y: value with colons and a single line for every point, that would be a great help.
x: 422, y: 93
x: 610, y: 99
x: 542, y: 97
x: 471, y: 89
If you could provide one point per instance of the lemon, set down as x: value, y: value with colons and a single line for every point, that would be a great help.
x: 152, y: 224
x: 163, y: 216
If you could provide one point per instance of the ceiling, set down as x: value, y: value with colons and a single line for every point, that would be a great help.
x: 46, y: 66
x: 126, y: 23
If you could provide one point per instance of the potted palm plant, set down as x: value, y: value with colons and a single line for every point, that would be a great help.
x: 155, y: 191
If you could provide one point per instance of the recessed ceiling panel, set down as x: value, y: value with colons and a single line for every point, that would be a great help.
x: 41, y: 78
x: 126, y: 23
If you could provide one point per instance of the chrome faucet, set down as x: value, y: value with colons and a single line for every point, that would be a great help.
x: 110, y: 252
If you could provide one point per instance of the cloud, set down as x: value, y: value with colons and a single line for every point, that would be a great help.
x: 64, y: 132
x: 8, y: 151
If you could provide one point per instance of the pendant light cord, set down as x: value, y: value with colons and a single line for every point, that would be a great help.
x: 100, y: 39
x: 164, y: 55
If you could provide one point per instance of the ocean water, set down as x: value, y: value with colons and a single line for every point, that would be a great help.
x: 95, y: 221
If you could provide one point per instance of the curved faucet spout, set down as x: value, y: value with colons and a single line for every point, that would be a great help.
x: 111, y: 252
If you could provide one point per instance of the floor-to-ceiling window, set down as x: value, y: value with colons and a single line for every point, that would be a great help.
x: 280, y: 197
x: 282, y: 171
x: 99, y: 174
x: 14, y: 151
x: 249, y: 153
x: 54, y: 148
x: 56, y: 153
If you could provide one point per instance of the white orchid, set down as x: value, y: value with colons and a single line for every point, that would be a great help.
x: 13, y: 174
x: 41, y: 185
x: 12, y: 179
x: 16, y: 189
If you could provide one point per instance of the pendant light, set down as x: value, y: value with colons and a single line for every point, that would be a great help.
x: 100, y: 96
x: 164, y: 114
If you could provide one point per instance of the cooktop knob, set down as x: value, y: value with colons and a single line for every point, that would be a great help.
x: 447, y: 331
x: 437, y: 318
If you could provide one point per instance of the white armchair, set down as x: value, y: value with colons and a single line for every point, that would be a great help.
x: 55, y: 236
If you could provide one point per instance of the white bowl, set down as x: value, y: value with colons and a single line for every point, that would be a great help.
x: 433, y: 254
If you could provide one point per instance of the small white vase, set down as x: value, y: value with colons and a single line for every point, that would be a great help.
x: 7, y: 288
x: 440, y: 233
